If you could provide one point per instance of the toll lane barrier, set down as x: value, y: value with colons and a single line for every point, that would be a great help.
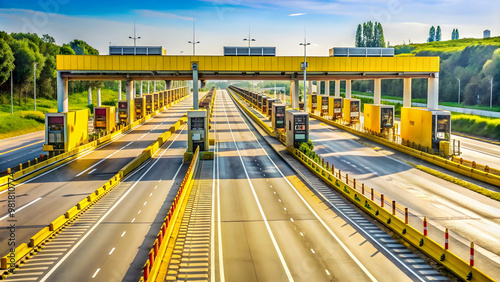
x: 451, y: 261
x: 405, y: 231
x: 155, y: 267
x: 262, y: 124
x: 41, y: 167
x: 38, y: 240
x: 447, y: 164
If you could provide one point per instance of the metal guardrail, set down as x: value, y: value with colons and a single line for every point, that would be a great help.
x: 356, y: 194
x: 25, y: 251
x: 162, y: 250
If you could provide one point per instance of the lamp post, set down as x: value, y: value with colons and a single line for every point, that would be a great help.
x: 304, y: 67
x: 194, y: 42
x: 491, y: 92
x: 458, y: 90
x: 249, y: 39
x: 34, y: 83
x: 135, y: 37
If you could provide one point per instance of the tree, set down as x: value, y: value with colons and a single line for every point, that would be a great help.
x: 381, y: 42
x: 47, y: 83
x: 66, y: 50
x: 438, y: 33
x: 82, y: 48
x: 25, y: 53
x: 6, y: 61
x: 432, y: 35
x: 48, y: 39
x: 359, y: 37
x: 454, y: 34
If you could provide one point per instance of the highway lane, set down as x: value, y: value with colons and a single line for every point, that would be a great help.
x: 479, y: 151
x: 111, y: 241
x: 467, y: 214
x: 20, y: 149
x: 273, y: 230
x: 50, y: 195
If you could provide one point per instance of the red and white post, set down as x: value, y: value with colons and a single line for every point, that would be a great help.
x: 446, y: 239
x: 425, y: 226
x: 471, y: 254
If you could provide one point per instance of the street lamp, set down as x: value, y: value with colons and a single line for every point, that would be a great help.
x: 134, y: 37
x: 458, y: 90
x: 194, y: 42
x: 34, y: 83
x: 491, y: 92
x: 304, y: 66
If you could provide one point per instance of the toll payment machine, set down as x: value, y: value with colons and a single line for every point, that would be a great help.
x: 149, y: 103
x: 379, y: 119
x: 155, y: 101
x: 335, y: 105
x: 140, y: 107
x: 324, y: 105
x: 197, y: 134
x: 297, y: 128
x: 312, y: 103
x: 263, y: 109
x: 426, y: 127
x: 104, y: 119
x: 278, y: 116
x: 351, y: 110
x: 123, y: 110
x: 270, y: 103
x: 65, y: 131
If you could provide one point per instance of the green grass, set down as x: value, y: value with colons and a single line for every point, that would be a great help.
x: 444, y: 46
x: 26, y: 120
x: 476, y: 125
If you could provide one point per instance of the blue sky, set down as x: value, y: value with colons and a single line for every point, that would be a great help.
x: 226, y: 22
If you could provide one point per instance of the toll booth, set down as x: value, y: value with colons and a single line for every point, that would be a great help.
x: 379, y: 118
x: 65, y: 131
x: 123, y: 110
x: 259, y: 101
x: 278, y: 116
x: 140, y: 107
x: 104, y: 119
x: 155, y: 101
x: 351, y: 110
x: 335, y: 105
x: 324, y: 105
x: 263, y: 109
x: 161, y: 102
x: 426, y: 127
x: 297, y: 128
x: 270, y: 103
x: 312, y: 103
x: 301, y: 106
x: 149, y: 103
x: 197, y: 130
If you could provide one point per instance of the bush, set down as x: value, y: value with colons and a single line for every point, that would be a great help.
x: 476, y: 125
x: 38, y: 116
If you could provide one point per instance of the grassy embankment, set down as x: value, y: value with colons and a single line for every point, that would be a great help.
x: 26, y: 120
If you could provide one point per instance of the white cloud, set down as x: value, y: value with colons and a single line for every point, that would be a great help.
x: 297, y: 14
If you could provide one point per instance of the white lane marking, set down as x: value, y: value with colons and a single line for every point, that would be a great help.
x: 365, y: 270
x: 90, y: 172
x: 21, y: 208
x: 291, y: 219
x: 95, y: 274
x: 110, y: 155
x: 156, y: 187
x: 219, y: 228
x: 139, y: 212
x: 327, y: 272
x: 150, y: 194
x: 177, y: 172
x: 145, y: 203
x: 108, y: 212
x: 133, y: 220
x: 123, y: 234
x: 159, y: 181
x: 266, y: 223
x: 284, y: 208
x: 301, y: 234
x: 313, y: 251
x: 112, y: 250
x: 143, y: 136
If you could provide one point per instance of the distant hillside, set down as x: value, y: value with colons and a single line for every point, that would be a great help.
x: 473, y: 61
